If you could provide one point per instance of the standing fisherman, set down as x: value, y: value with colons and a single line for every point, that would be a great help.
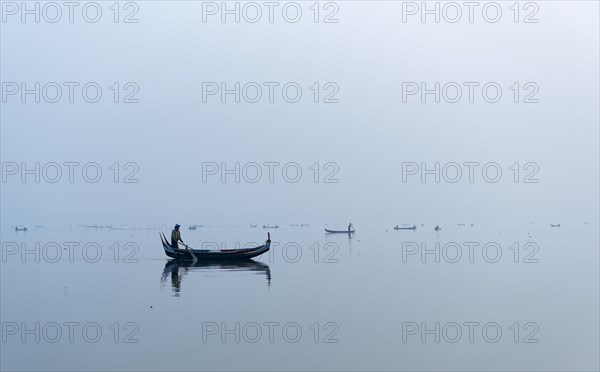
x: 176, y: 237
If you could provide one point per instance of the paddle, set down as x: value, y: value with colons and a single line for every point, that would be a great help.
x: 191, y: 252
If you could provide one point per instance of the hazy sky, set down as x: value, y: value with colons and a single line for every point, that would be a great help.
x: 367, y: 135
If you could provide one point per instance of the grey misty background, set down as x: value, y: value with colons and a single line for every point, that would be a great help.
x: 369, y: 53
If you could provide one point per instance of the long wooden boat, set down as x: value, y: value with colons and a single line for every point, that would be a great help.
x: 339, y: 231
x: 413, y: 227
x: 206, y: 254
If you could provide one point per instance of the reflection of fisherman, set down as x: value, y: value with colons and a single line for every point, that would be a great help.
x: 172, y: 270
x: 176, y: 237
x: 350, y: 227
x: 175, y: 279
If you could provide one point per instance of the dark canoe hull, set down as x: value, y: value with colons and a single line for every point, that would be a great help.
x: 339, y: 231
x: 405, y: 228
x: 221, y: 255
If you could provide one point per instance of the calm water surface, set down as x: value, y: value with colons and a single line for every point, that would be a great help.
x: 111, y: 300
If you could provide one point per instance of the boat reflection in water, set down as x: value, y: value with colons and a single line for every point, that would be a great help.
x: 175, y: 269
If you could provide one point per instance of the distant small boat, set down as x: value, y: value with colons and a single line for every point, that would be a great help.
x: 294, y: 225
x: 192, y: 227
x: 413, y: 227
x: 270, y: 227
x: 461, y: 224
x: 252, y: 226
x: 304, y: 225
x: 20, y: 228
x: 339, y: 231
x: 552, y: 225
x: 437, y: 228
x: 131, y: 228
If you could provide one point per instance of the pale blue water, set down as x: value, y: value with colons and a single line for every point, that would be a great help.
x: 359, y: 303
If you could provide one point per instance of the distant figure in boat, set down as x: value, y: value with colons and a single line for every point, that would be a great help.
x: 350, y: 227
x: 405, y: 227
x: 437, y: 228
x: 176, y: 237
